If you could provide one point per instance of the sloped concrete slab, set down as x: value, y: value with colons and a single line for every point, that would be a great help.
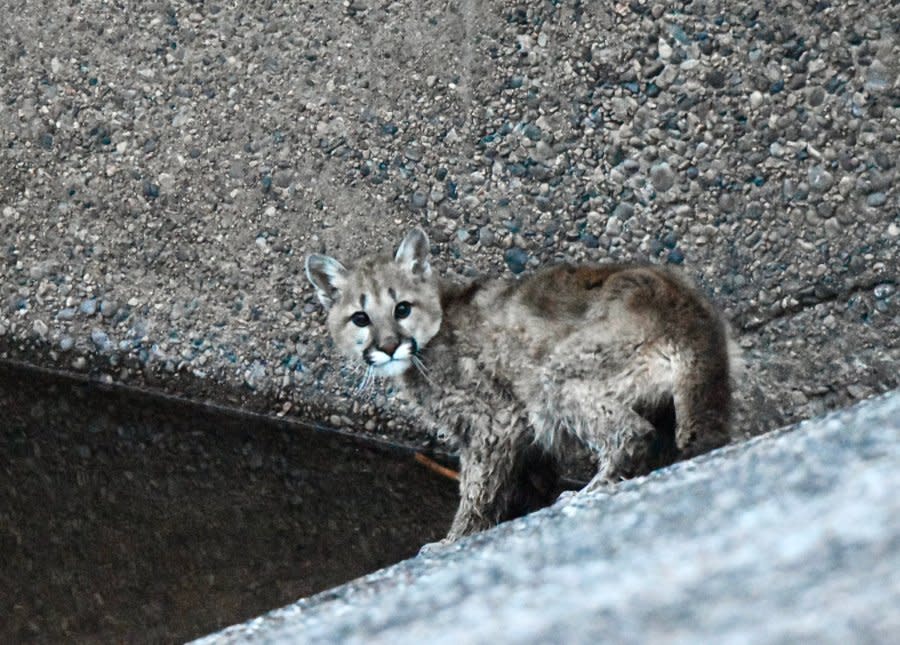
x: 794, y: 536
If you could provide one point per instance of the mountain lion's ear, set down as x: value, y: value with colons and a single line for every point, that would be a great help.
x: 328, y: 276
x: 413, y: 253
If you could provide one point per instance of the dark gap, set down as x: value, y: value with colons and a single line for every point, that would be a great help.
x: 661, y: 449
x: 130, y: 518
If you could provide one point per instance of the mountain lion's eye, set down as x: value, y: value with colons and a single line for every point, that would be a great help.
x: 402, y: 310
x: 360, y: 319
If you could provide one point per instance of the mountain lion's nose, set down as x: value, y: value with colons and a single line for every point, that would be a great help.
x: 389, y: 346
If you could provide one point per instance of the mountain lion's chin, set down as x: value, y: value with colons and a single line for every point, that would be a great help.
x: 393, y: 367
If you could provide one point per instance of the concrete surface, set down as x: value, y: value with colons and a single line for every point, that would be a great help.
x: 790, y: 537
x: 165, y: 167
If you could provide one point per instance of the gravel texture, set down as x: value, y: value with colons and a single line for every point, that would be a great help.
x: 166, y: 167
x: 791, y: 537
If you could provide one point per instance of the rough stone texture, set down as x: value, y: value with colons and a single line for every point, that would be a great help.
x: 790, y: 537
x: 166, y: 168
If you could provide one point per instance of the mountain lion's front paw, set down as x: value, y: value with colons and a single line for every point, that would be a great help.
x: 602, y: 483
x: 433, y: 548
x: 565, y: 497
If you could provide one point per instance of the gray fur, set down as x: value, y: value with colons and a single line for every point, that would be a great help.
x: 327, y: 275
x: 592, y: 352
x: 412, y: 254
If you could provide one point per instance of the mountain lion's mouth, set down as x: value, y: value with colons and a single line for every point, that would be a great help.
x: 391, y: 365
x: 394, y: 367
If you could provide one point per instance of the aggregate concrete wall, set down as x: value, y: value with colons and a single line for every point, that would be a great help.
x: 166, y: 165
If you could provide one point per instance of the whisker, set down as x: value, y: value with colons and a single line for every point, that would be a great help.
x: 419, y: 366
x: 417, y: 359
x: 366, y: 380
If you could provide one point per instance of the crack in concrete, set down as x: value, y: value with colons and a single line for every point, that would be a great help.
x: 808, y: 303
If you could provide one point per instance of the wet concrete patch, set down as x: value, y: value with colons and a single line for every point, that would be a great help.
x: 124, y: 517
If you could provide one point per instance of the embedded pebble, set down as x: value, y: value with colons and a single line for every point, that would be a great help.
x: 40, y: 329
x: 820, y: 179
x: 255, y: 374
x: 613, y: 226
x: 883, y: 291
x: 876, y: 199
x: 675, y: 256
x: 100, y: 339
x: 486, y: 236
x: 623, y: 211
x: 109, y: 308
x: 516, y: 259
x: 878, y: 76
x: 88, y: 307
x: 418, y: 200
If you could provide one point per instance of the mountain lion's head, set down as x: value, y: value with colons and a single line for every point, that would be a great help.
x: 384, y: 310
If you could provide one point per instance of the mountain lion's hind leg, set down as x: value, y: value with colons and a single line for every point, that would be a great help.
x: 616, y: 433
x: 702, y: 396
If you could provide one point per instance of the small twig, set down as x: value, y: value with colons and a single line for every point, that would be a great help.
x: 436, y: 467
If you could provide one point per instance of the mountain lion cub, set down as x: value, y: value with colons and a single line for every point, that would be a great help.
x: 592, y: 351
